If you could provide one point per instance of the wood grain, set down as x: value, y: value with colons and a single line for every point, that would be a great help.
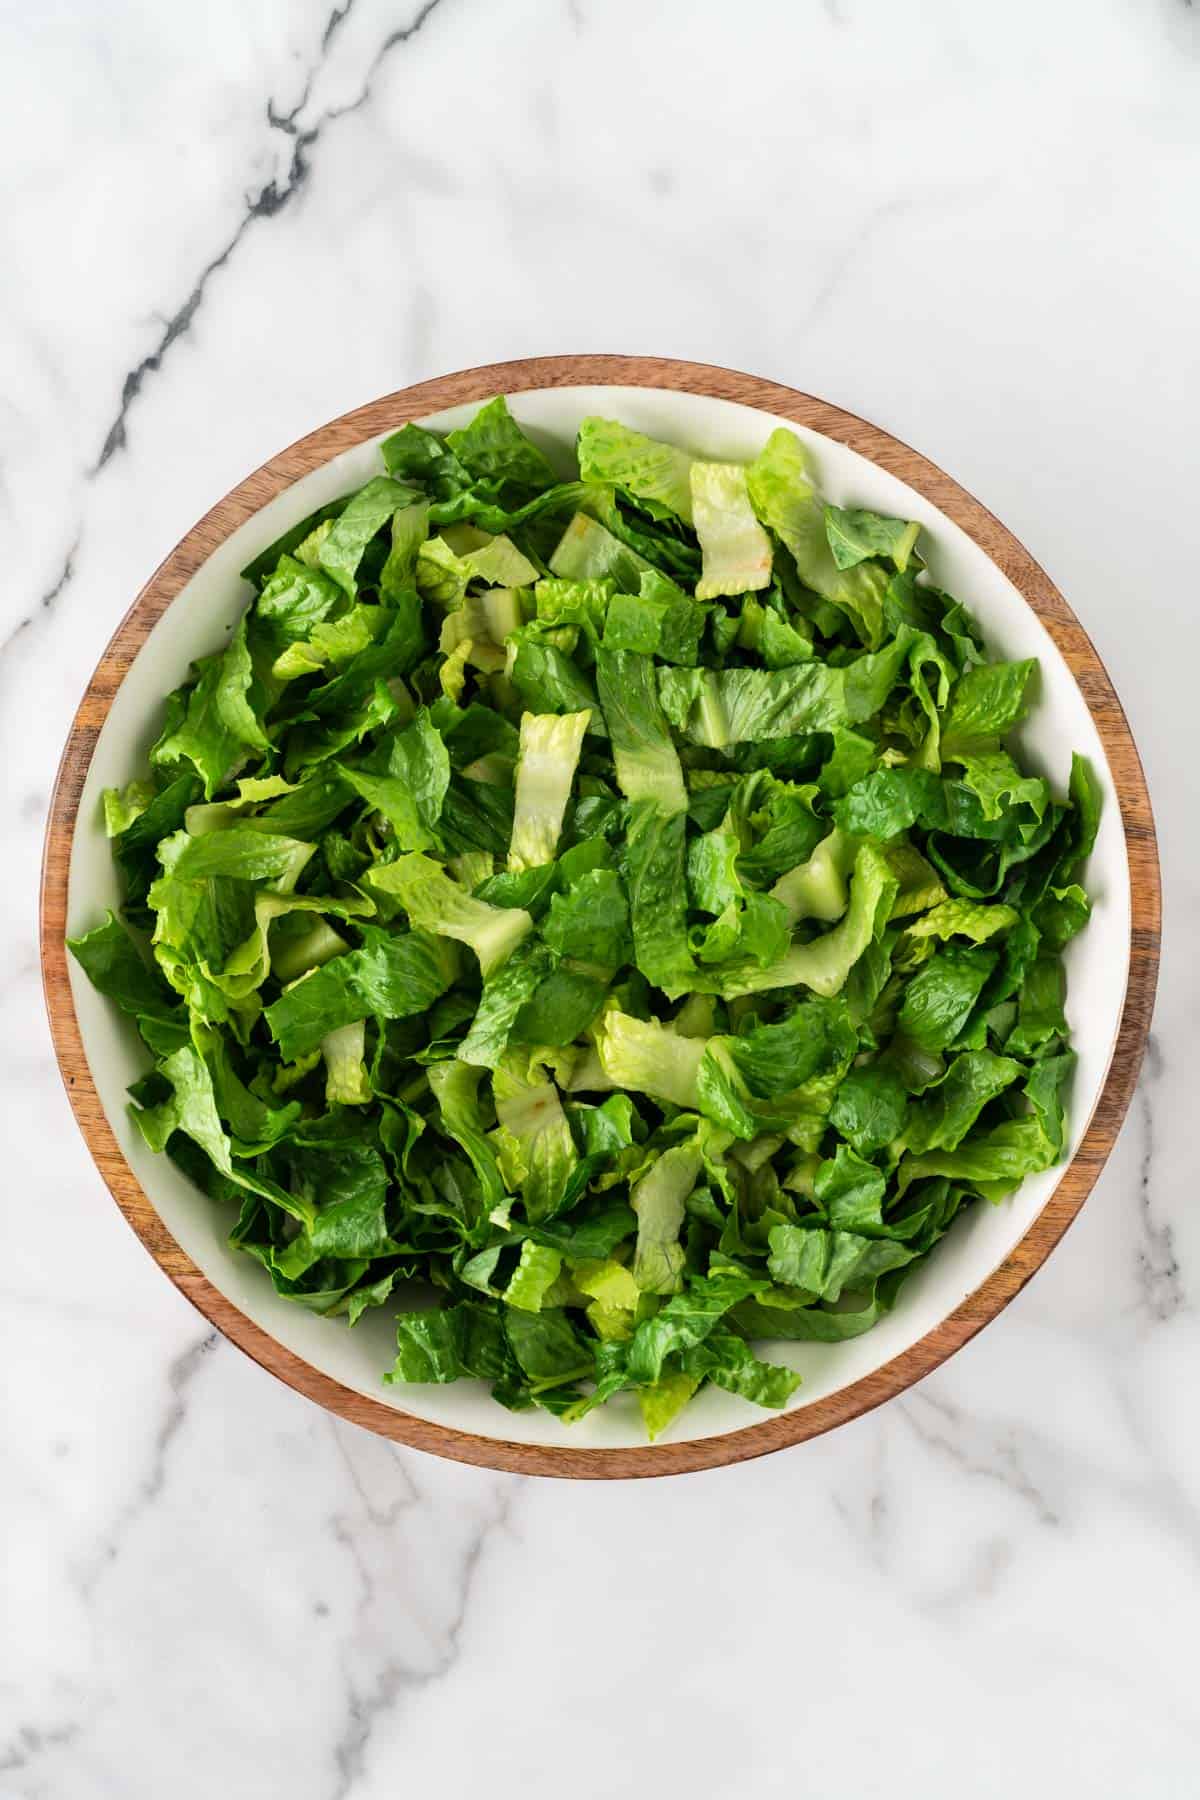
x: 474, y: 385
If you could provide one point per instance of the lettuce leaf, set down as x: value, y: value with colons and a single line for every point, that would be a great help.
x: 824, y: 963
x: 653, y: 866
x: 613, y: 454
x: 536, y: 1142
x: 389, y: 977
x: 549, y: 752
x: 855, y: 534
x: 736, y: 549
x: 434, y: 902
x: 647, y: 763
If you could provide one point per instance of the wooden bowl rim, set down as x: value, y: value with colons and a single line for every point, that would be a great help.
x: 472, y: 385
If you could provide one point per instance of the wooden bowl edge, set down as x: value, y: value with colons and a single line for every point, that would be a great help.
x: 998, y: 543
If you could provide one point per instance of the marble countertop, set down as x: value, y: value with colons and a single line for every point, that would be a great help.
x: 974, y: 225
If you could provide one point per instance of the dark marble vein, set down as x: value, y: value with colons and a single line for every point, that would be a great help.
x: 334, y: 22
x: 46, y: 602
x: 271, y: 199
x: 177, y: 326
x: 29, y: 1742
x: 401, y: 35
x: 1181, y: 20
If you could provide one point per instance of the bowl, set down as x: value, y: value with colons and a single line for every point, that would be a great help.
x: 185, y: 611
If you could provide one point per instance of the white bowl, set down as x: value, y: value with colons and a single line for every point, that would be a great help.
x: 198, y: 622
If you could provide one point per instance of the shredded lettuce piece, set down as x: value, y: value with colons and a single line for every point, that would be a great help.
x: 610, y: 452
x: 434, y: 902
x: 546, y: 763
x: 737, y: 551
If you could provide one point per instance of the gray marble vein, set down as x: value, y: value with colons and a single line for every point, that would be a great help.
x: 31, y: 1742
x: 878, y: 218
x: 1160, y: 1277
x: 980, y: 1451
x: 45, y: 602
x: 334, y: 22
x: 367, y: 1704
x: 181, y: 1373
x: 271, y: 199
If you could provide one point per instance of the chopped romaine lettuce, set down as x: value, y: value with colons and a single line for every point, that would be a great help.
x: 763, y: 917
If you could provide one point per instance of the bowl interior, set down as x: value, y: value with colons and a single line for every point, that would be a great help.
x: 199, y: 622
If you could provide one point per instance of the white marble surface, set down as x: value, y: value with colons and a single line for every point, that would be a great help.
x: 975, y: 225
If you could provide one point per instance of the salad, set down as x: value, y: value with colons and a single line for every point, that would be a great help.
x: 597, y: 919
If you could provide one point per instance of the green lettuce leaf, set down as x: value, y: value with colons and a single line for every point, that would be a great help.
x: 587, y: 551
x: 987, y: 701
x: 952, y: 1105
x: 717, y: 708
x: 941, y: 996
x: 505, y: 993
x: 649, y: 1058
x: 365, y: 515
x: 686, y: 1320
x: 824, y: 964
x: 825, y: 1265
x: 869, y: 1108
x: 547, y: 759
x: 590, y: 922
x: 406, y: 779
x: 219, y: 724
x: 549, y: 682
x: 536, y: 1141
x: 434, y: 902
x: 647, y: 764
x: 659, y: 621
x: 613, y: 454
x: 736, y: 549
x: 728, y: 1360
x: 658, y: 1200
x: 455, y: 1087
x: 113, y: 964
x: 496, y: 452
x: 855, y: 534
x: 653, y: 867
x: 786, y: 502
x: 390, y: 977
